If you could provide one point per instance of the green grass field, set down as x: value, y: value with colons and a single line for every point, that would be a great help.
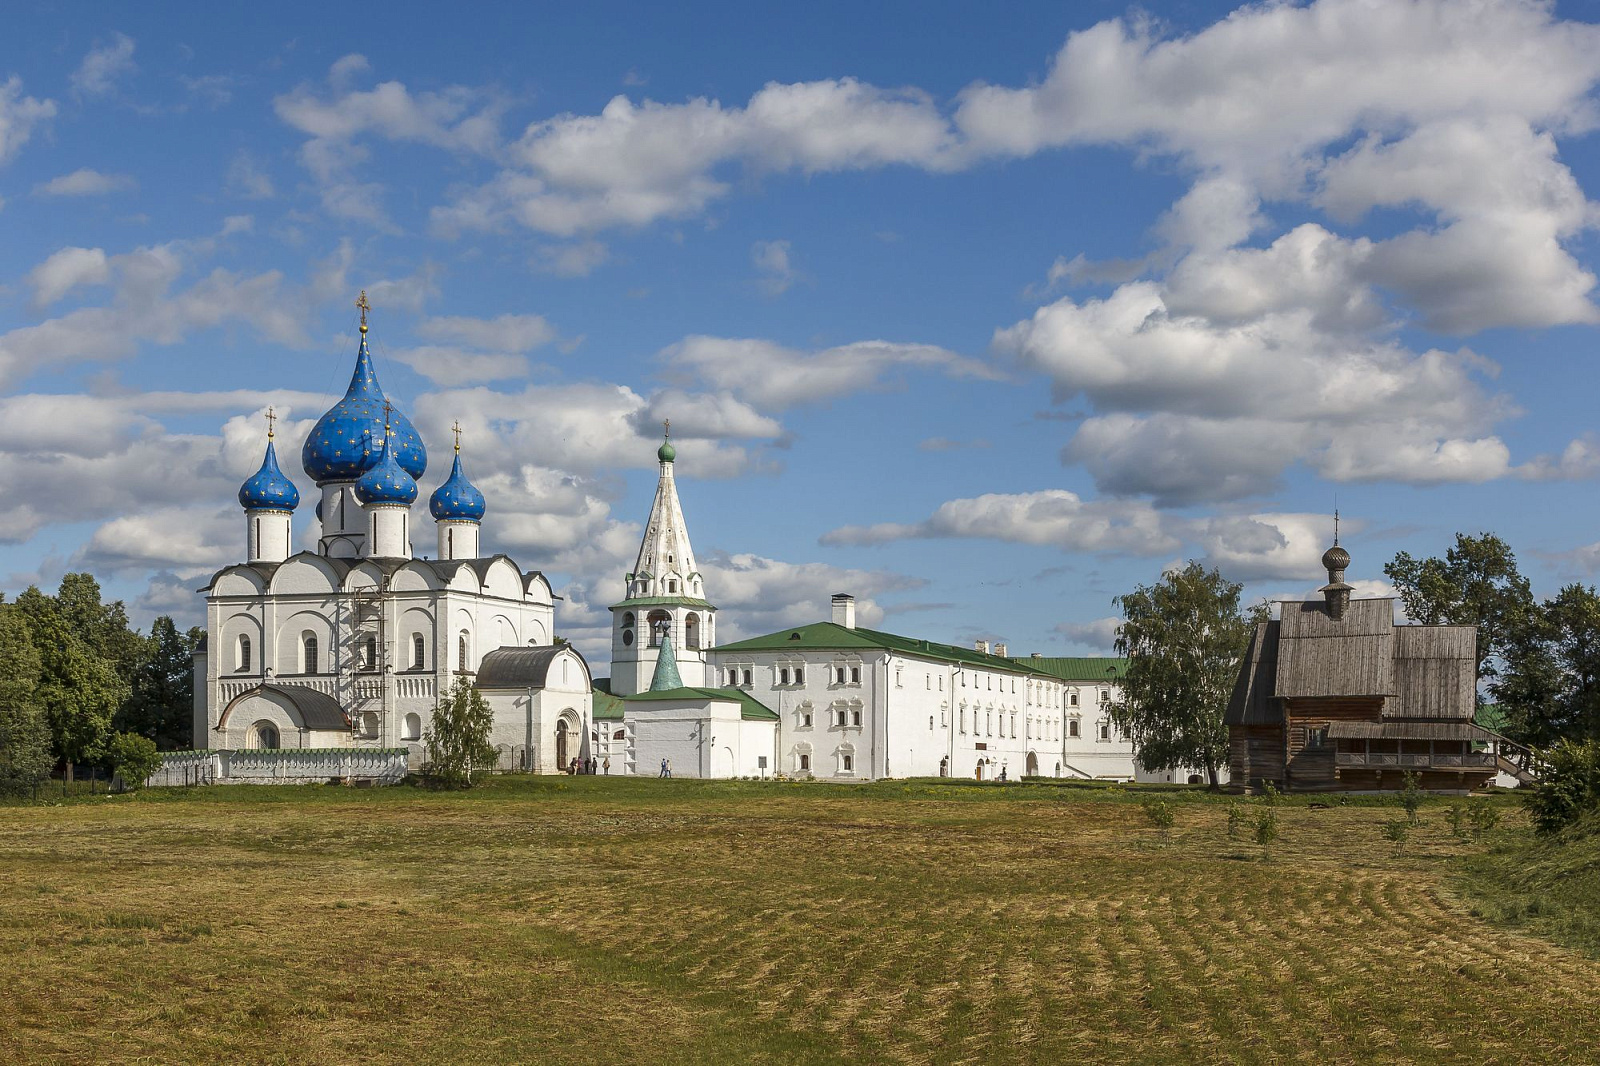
x: 595, y: 919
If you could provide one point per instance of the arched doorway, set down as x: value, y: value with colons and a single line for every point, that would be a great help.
x: 562, y: 758
x: 978, y: 773
x: 1033, y: 764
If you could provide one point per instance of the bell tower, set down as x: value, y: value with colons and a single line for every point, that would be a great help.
x: 663, y: 597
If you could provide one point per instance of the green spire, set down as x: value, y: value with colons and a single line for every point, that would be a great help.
x: 666, y: 675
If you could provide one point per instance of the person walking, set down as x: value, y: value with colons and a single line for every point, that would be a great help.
x: 1002, y: 774
x: 665, y: 772
x: 607, y: 766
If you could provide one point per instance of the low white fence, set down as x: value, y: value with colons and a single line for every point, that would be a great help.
x: 282, y: 766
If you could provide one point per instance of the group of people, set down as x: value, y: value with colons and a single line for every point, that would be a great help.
x: 591, y: 765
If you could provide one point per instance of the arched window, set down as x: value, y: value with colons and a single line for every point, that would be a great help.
x: 463, y: 652
x: 419, y: 651
x: 627, y: 629
x: 413, y: 730
x: 244, y: 653
x: 369, y: 724
x: 658, y: 622
x: 308, y: 653
x: 262, y: 735
x: 691, y: 631
x: 369, y: 653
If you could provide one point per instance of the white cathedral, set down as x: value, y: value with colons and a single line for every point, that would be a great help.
x: 351, y: 647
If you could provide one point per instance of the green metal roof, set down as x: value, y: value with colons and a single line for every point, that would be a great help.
x: 750, y: 708
x: 606, y: 706
x: 665, y: 601
x: 832, y: 636
x: 1084, y: 668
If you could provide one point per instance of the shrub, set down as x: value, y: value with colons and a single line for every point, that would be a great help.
x: 134, y: 757
x: 1483, y: 818
x: 1236, y: 821
x: 1159, y: 812
x: 1411, y: 796
x: 1266, y: 829
x: 1568, y: 786
x: 1269, y: 793
x: 1396, y: 833
x: 1457, y: 817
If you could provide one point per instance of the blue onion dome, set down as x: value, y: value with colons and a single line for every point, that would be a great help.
x: 268, y: 489
x: 387, y: 482
x: 457, y: 500
x: 345, y: 442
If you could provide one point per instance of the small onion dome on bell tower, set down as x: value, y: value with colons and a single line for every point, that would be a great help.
x: 344, y: 443
x: 267, y: 489
x: 457, y: 500
x: 1336, y: 593
x: 666, y: 453
x: 387, y: 482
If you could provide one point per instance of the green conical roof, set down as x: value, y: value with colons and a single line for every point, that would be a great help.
x: 666, y: 675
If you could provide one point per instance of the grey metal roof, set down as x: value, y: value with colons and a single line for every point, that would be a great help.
x: 521, y: 667
x: 317, y: 710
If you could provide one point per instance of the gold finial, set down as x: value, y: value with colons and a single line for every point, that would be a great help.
x: 388, y: 409
x: 272, y: 418
x: 666, y: 428
x: 456, y: 429
x: 364, y: 307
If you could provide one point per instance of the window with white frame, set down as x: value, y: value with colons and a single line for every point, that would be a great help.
x: 748, y: 677
x: 244, y: 654
x: 855, y: 675
x: 805, y: 760
x: 805, y: 716
x: 1075, y: 727
x: 1105, y: 729
x: 799, y: 673
x: 783, y: 675
x: 855, y: 716
x: 838, y: 675
x: 1074, y: 697
x: 839, y: 714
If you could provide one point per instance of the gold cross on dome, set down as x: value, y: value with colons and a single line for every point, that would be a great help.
x: 271, y: 419
x: 456, y: 429
x: 363, y: 307
x: 666, y: 427
x: 388, y: 410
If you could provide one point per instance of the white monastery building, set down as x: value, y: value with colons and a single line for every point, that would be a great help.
x: 352, y: 645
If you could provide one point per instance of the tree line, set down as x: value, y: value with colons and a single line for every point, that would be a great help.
x: 80, y: 685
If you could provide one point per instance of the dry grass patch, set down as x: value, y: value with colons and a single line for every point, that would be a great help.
x: 610, y: 920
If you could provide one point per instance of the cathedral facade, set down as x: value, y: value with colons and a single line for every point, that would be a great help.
x: 352, y: 645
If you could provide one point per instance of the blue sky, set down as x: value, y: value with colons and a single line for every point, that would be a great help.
x: 984, y: 317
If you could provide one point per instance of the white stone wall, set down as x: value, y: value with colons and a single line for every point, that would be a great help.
x: 702, y: 738
x: 920, y: 717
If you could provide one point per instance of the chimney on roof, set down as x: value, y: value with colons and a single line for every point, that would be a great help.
x: 981, y: 645
x: 844, y: 610
x: 1000, y: 650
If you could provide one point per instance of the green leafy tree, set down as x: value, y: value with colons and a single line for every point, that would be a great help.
x: 25, y: 756
x: 457, y: 740
x: 1476, y: 583
x: 1266, y: 830
x: 1184, y: 638
x: 1549, y: 688
x: 160, y: 704
x: 79, y: 690
x: 1568, y: 787
x: 132, y: 756
x: 103, y: 627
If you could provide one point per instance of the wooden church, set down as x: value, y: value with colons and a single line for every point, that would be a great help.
x: 1333, y: 696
